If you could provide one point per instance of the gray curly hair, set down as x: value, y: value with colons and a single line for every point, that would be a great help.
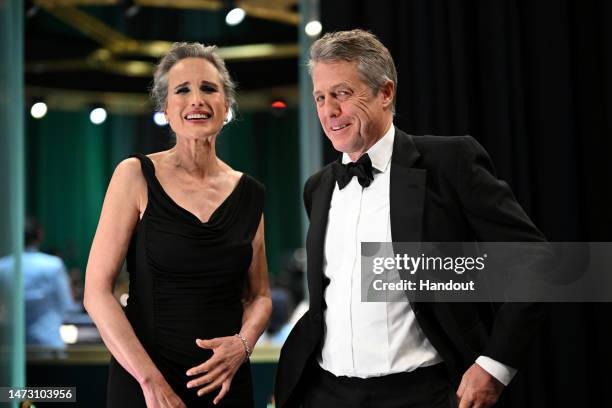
x: 182, y: 50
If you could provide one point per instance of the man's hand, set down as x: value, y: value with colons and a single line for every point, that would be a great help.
x: 478, y: 388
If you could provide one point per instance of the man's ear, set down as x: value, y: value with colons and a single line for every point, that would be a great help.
x: 388, y: 92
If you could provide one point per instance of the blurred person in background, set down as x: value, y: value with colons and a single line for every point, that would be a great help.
x: 48, y: 297
x: 192, y: 231
x: 76, y: 283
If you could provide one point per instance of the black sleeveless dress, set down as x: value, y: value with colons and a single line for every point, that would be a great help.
x: 186, y: 282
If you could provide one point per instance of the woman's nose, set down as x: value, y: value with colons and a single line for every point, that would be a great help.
x: 197, y: 99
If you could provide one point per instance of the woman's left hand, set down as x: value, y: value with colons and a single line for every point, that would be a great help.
x: 219, y: 370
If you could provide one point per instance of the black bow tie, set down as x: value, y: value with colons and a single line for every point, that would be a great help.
x: 362, y: 169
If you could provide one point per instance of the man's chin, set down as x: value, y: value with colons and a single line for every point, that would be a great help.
x: 341, y: 145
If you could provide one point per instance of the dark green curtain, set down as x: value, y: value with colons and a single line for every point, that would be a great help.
x: 66, y: 177
x: 70, y: 162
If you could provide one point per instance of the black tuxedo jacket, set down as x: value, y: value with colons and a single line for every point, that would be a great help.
x: 443, y: 189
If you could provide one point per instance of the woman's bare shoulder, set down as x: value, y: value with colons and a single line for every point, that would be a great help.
x: 128, y: 182
x: 129, y: 170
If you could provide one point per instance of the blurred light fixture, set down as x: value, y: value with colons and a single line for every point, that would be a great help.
x: 235, y: 16
x: 279, y: 107
x: 69, y: 333
x: 160, y: 119
x: 130, y: 8
x: 31, y: 11
x: 98, y: 116
x: 278, y: 104
x: 132, y: 11
x: 38, y: 110
x: 313, y: 28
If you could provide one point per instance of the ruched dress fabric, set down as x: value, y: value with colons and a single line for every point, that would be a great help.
x: 187, y: 279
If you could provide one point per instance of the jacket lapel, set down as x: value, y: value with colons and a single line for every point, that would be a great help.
x: 407, y: 190
x: 321, y: 200
x: 407, y: 196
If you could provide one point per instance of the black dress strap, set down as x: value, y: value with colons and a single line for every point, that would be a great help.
x: 148, y: 171
x: 156, y: 193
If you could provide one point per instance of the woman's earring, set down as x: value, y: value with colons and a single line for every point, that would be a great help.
x: 229, y: 117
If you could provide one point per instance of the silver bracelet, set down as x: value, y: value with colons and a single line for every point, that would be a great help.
x: 247, y: 349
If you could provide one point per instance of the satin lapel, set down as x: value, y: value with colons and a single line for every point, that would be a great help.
x: 407, y: 196
x: 407, y: 190
x: 321, y: 199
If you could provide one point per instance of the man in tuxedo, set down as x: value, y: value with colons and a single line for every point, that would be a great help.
x: 390, y: 186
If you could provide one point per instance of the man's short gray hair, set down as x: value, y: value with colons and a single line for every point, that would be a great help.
x: 374, y: 61
x: 182, y: 50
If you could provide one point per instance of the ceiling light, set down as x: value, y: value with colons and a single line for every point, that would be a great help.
x: 69, y: 333
x: 235, y: 16
x: 97, y: 116
x: 278, y: 104
x: 32, y: 11
x: 38, y: 110
x: 313, y: 28
x: 132, y: 11
x: 130, y: 8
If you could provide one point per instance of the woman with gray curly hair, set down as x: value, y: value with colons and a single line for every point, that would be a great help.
x: 192, y: 231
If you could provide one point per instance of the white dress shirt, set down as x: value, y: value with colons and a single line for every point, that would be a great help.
x: 370, y: 339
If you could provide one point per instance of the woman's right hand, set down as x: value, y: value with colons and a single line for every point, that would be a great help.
x: 159, y: 394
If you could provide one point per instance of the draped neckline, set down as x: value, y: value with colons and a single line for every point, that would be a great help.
x: 186, y: 211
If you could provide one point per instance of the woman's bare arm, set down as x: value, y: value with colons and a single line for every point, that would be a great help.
x: 258, y: 301
x: 125, y: 198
